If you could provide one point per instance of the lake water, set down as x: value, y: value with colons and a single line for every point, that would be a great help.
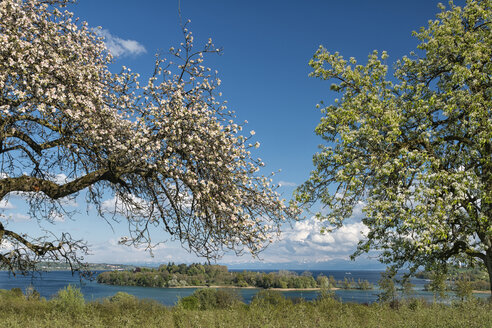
x: 49, y: 283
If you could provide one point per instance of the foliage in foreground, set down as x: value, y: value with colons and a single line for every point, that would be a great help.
x: 269, y: 309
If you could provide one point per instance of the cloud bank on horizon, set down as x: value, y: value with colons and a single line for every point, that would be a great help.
x: 302, y: 244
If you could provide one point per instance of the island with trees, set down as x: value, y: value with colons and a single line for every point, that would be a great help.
x: 204, y: 275
x: 458, y: 278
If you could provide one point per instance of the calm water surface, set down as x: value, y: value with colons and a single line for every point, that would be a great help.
x: 49, y: 283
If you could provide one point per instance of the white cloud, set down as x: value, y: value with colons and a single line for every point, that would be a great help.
x: 308, y: 232
x: 305, y: 243
x: 6, y: 245
x: 119, y: 47
x: 57, y: 217
x: 61, y: 178
x: 6, y: 204
x: 110, y: 205
x: 69, y: 201
x: 287, y: 184
x: 17, y: 217
x: 357, y: 213
x: 116, y: 205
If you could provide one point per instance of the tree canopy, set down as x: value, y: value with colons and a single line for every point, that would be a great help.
x: 166, y: 148
x: 415, y: 149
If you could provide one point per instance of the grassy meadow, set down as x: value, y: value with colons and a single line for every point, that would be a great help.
x: 217, y: 308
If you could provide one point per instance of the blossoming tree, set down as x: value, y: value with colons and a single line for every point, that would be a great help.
x: 416, y: 150
x: 168, y: 150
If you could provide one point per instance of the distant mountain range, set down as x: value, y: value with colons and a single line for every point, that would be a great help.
x: 55, y: 266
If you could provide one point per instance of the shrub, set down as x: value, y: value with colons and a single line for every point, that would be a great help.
x: 416, y: 304
x: 387, y: 286
x: 122, y: 297
x: 208, y: 298
x: 226, y: 298
x: 480, y: 285
x: 70, y: 298
x: 325, y: 293
x: 242, y: 283
x: 32, y: 294
x: 14, y: 293
x: 463, y: 288
x: 269, y: 297
x: 189, y: 303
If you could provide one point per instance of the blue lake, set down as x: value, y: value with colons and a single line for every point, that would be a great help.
x: 49, y: 283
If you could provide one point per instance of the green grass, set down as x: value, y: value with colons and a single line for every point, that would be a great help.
x: 268, y: 310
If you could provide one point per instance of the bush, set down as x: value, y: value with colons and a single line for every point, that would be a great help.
x: 14, y: 293
x: 32, y: 294
x: 70, y: 298
x: 480, y: 285
x: 269, y: 297
x: 325, y: 293
x: 208, y: 298
x: 227, y: 298
x: 463, y: 288
x: 416, y: 304
x: 189, y: 303
x: 122, y: 297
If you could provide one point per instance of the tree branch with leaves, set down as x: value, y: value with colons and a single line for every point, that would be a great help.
x: 415, y: 149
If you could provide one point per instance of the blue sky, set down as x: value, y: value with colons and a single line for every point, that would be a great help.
x: 264, y: 72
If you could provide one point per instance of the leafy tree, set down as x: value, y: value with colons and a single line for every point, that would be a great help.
x: 363, y: 284
x: 167, y: 149
x: 323, y: 282
x: 463, y: 287
x: 269, y: 298
x: 70, y: 298
x: 208, y: 299
x: 122, y: 297
x: 333, y: 282
x: 407, y: 288
x: 415, y: 150
x: 387, y: 286
x: 346, y: 284
x: 437, y: 285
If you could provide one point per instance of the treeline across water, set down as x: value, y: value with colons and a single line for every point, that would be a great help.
x: 182, y: 275
x: 474, y: 278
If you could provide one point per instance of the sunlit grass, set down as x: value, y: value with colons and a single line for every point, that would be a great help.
x: 67, y: 309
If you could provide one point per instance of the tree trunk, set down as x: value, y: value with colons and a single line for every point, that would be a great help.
x: 488, y: 264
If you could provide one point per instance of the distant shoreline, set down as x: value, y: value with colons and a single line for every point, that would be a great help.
x: 252, y: 287
x: 481, y: 291
x: 294, y: 289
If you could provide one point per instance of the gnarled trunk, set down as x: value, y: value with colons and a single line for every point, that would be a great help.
x: 488, y: 265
